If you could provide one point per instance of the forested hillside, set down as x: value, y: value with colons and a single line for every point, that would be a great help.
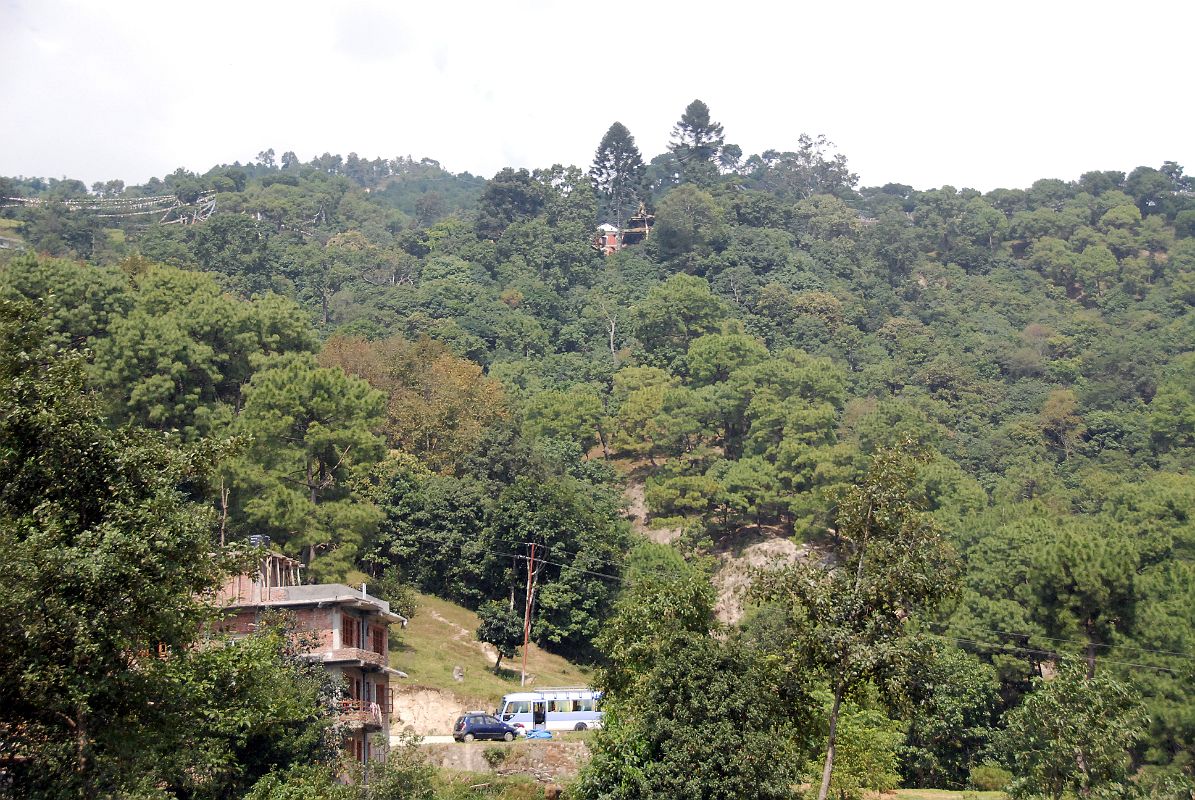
x: 417, y: 374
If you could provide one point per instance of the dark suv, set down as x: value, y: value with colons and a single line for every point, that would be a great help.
x: 479, y: 725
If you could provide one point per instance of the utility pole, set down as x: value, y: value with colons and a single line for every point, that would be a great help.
x: 527, y: 616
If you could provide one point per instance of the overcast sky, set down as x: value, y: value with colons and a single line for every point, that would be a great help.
x: 970, y: 93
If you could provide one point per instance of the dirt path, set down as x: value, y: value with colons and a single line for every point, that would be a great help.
x: 637, y: 514
x: 463, y: 634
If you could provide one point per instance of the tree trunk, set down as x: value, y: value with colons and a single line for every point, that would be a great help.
x: 498, y: 664
x: 828, y: 769
x: 1081, y: 763
x: 82, y: 746
x: 223, y: 510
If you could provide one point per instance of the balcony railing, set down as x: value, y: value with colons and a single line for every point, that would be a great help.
x: 354, y: 654
x: 364, y: 712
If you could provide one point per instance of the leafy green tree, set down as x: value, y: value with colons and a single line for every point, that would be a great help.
x: 239, y: 709
x: 312, y: 433
x: 670, y: 689
x: 237, y: 247
x: 101, y: 558
x: 673, y: 314
x: 711, y: 358
x: 892, y: 563
x: 948, y: 699
x: 430, y: 530
x: 1071, y: 734
x: 83, y: 300
x: 572, y: 415
x: 510, y: 196
x: 502, y: 627
x: 185, y: 349
x: 1151, y: 189
x: 672, y: 738
x: 579, y: 538
x: 618, y: 174
x: 1085, y: 585
x: 639, y: 394
x: 867, y: 746
x: 1171, y: 415
x: 688, y: 226
x: 683, y: 495
x: 748, y: 490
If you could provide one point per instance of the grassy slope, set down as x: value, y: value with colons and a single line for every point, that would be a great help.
x: 441, y: 636
x: 8, y: 229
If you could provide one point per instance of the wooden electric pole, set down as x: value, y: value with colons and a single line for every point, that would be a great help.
x: 527, y: 615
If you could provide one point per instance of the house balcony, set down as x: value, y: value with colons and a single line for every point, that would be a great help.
x: 353, y: 656
x: 363, y: 714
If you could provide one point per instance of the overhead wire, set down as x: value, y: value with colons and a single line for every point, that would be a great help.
x: 1177, y: 653
x: 1051, y: 653
x: 1078, y: 642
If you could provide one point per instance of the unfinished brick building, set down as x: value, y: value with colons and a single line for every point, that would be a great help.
x: 350, y: 629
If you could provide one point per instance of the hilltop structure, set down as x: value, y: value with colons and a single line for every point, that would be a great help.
x: 610, y: 239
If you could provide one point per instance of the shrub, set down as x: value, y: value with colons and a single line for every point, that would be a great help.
x: 494, y: 756
x: 989, y: 778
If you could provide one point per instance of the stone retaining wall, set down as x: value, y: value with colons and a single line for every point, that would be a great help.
x: 547, y: 762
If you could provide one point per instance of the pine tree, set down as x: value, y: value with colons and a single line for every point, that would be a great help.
x: 696, y: 139
x: 618, y: 174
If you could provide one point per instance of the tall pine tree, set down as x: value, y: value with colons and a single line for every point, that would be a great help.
x: 618, y: 174
x: 696, y: 142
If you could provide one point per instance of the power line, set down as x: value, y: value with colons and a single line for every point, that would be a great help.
x: 1052, y: 654
x: 618, y: 578
x: 996, y: 645
x: 1178, y: 653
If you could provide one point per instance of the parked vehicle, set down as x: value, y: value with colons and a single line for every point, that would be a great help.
x: 480, y: 725
x: 567, y: 708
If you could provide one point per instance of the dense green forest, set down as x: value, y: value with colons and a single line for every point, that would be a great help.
x: 416, y: 374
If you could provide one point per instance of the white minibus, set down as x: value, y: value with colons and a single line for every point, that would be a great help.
x: 566, y: 708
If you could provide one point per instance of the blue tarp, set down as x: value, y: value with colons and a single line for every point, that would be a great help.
x: 539, y: 734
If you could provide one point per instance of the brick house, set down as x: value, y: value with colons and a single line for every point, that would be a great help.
x: 350, y: 630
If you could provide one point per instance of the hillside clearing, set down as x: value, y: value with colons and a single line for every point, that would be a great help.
x: 439, y: 639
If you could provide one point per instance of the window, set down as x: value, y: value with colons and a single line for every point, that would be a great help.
x: 350, y: 631
x: 377, y: 639
x: 356, y: 747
